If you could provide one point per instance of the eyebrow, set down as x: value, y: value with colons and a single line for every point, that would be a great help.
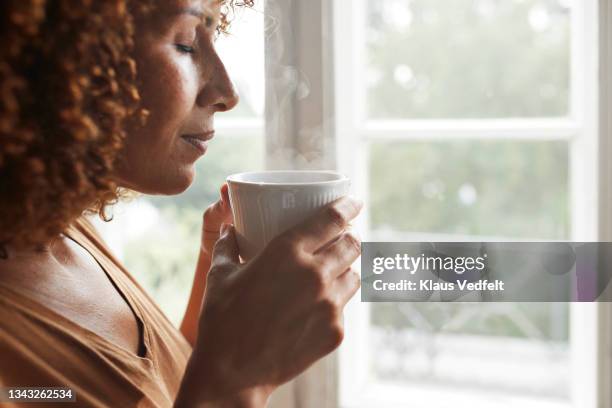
x: 193, y: 12
x: 196, y: 12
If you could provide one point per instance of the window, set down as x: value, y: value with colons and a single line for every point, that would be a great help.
x: 467, y: 121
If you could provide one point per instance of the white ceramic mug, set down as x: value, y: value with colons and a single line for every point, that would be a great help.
x: 267, y: 203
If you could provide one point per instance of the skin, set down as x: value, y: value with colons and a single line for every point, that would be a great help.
x: 305, y: 272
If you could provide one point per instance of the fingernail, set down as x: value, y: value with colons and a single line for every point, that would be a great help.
x: 358, y: 202
x: 224, y: 195
x: 352, y: 203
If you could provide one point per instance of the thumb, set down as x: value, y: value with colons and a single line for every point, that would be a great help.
x: 226, y: 248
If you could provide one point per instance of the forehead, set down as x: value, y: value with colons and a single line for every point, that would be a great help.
x: 197, y: 8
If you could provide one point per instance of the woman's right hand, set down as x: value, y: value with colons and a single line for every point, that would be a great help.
x: 266, y: 321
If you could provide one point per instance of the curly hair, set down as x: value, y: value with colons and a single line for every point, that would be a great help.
x: 68, y: 89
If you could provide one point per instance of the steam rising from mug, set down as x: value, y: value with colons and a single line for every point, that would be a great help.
x: 267, y: 203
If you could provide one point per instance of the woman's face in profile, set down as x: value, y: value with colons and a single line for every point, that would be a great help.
x: 183, y: 83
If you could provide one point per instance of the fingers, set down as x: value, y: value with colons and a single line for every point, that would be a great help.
x: 218, y: 213
x: 225, y: 194
x: 340, y: 254
x: 328, y: 223
x: 226, y: 251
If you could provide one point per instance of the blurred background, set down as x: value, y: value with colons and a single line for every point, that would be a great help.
x: 457, y: 120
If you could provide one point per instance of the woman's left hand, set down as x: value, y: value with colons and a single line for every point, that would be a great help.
x: 215, y: 215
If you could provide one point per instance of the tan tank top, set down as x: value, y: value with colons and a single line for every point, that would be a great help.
x: 41, y: 348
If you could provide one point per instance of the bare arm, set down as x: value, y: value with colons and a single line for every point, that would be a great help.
x: 214, y: 216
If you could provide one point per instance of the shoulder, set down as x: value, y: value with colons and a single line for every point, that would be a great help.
x: 83, y: 229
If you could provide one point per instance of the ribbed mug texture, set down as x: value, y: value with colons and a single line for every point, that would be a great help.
x: 264, y: 210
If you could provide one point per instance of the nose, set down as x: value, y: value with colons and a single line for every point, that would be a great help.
x: 218, y: 91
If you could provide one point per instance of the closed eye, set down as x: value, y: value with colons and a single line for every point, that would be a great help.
x: 186, y: 49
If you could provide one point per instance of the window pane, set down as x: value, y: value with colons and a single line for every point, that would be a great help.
x: 467, y: 58
x: 545, y: 321
x: 514, y: 189
x: 486, y: 188
x: 500, y: 348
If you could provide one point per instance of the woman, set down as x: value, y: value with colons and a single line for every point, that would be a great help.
x: 103, y: 97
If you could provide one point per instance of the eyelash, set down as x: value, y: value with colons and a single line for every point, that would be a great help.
x: 184, y: 48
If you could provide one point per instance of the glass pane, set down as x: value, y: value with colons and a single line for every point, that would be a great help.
x: 514, y: 189
x: 467, y: 58
x: 545, y: 321
x: 242, y: 51
x: 512, y: 349
x: 486, y: 188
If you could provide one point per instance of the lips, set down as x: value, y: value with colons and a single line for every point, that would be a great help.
x: 198, y: 140
x: 204, y: 136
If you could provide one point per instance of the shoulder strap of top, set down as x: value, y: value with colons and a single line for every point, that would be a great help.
x: 85, y: 227
x: 87, y: 231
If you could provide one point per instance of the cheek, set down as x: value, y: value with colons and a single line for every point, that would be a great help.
x: 169, y: 90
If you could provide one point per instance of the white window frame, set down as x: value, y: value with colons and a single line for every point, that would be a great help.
x: 320, y: 41
x: 603, y: 129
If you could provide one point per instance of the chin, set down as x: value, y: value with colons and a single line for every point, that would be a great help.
x: 175, y: 189
x: 169, y: 183
x: 179, y: 183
